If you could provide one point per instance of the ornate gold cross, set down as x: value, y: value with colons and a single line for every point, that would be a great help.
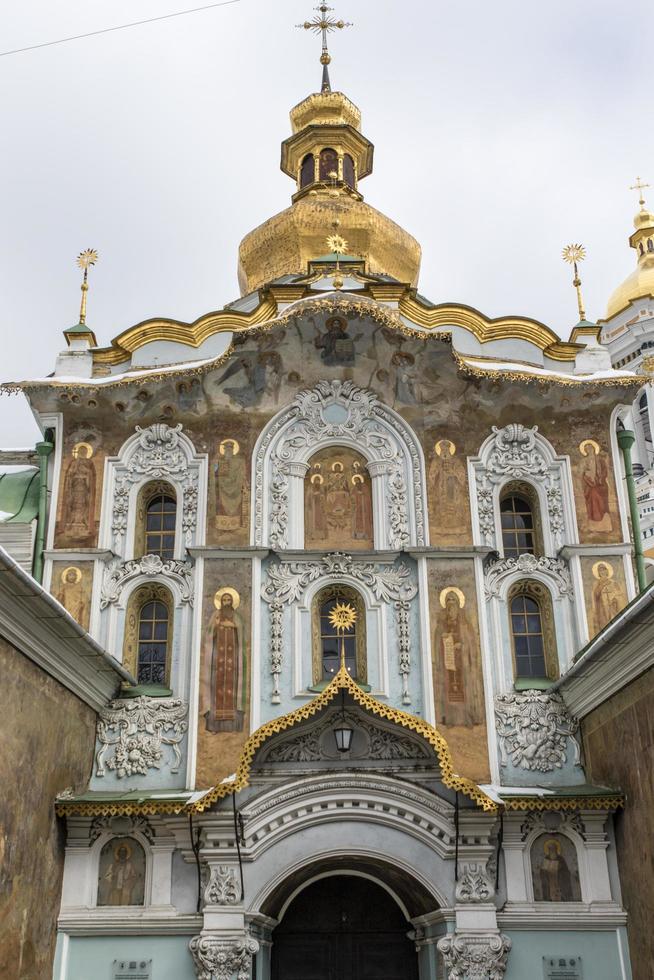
x: 640, y: 187
x: 85, y: 259
x: 323, y: 24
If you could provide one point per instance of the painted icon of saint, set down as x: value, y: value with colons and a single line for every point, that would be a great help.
x: 223, y: 694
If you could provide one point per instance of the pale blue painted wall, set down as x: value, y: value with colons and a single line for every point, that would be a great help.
x: 91, y: 957
x: 599, y: 951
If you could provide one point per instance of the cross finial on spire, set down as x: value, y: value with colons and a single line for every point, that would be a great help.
x: 640, y: 187
x: 323, y: 24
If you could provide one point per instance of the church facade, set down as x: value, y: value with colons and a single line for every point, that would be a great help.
x: 344, y: 540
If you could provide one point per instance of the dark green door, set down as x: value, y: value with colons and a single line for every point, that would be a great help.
x: 343, y: 928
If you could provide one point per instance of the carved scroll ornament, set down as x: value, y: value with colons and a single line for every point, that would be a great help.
x: 223, y: 959
x: 119, y: 573
x: 555, y: 570
x: 475, y: 957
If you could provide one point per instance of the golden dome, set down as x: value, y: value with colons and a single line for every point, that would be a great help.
x: 286, y: 243
x: 641, y: 281
x: 327, y: 156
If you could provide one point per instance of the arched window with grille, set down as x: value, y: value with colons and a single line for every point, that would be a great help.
x: 533, y: 635
x: 155, y: 521
x: 328, y: 644
x: 148, y: 635
x: 520, y: 521
x: 307, y: 171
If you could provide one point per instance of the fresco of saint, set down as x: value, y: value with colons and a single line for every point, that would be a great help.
x: 338, y: 501
x: 78, y: 515
x: 608, y: 597
x: 554, y: 871
x: 121, y: 879
x: 230, y: 483
x: 71, y: 595
x: 458, y: 667
x: 222, y: 700
x: 595, y: 485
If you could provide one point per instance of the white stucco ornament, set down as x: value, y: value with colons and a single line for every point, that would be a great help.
x: 119, y: 573
x: 223, y: 959
x: 533, y: 728
x: 475, y: 957
x: 138, y: 729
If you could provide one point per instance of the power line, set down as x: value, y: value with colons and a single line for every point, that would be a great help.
x: 119, y: 27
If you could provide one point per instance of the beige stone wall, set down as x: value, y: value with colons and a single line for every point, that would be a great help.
x: 619, y: 751
x: 47, y: 737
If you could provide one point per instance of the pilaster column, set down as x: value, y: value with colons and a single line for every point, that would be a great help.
x: 513, y: 849
x: 596, y: 847
x: 296, y: 473
x: 379, y: 470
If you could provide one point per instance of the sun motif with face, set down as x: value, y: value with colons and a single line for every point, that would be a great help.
x: 343, y: 616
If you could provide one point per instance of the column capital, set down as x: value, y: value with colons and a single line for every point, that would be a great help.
x: 223, y: 957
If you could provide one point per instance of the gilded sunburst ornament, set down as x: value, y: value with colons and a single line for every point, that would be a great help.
x: 343, y: 616
x: 573, y: 253
x: 86, y: 258
x: 337, y: 244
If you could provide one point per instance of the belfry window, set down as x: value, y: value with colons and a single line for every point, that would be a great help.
x: 520, y: 521
x: 532, y: 632
x: 307, y: 171
x: 152, y: 643
x: 348, y: 170
x: 328, y: 164
x: 156, y: 517
x: 328, y: 643
x: 650, y: 245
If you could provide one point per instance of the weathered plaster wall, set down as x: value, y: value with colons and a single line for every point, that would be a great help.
x: 47, y: 745
x: 619, y: 751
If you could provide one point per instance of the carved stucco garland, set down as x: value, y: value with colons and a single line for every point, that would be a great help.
x: 367, y: 423
x: 137, y: 729
x: 221, y: 959
x: 119, y: 573
x: 287, y: 582
x: 223, y: 887
x: 533, y: 728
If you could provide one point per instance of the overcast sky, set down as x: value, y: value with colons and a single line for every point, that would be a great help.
x: 503, y: 131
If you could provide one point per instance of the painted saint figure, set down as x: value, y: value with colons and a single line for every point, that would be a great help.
x: 595, y: 485
x: 462, y: 700
x: 361, y: 511
x: 445, y: 484
x: 230, y: 483
x: 71, y: 595
x: 79, y: 493
x: 336, y: 344
x: 608, y: 598
x: 316, y: 506
x: 223, y: 694
x: 555, y: 878
x: 337, y: 497
x: 122, y: 873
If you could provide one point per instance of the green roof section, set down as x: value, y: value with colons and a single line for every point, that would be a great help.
x: 19, y: 496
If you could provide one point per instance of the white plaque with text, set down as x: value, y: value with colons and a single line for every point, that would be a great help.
x: 562, y: 968
x: 132, y: 969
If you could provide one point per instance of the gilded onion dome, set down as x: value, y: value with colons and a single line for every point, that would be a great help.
x: 641, y: 281
x: 327, y: 156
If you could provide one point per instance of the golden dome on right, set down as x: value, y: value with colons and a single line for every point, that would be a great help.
x: 641, y: 281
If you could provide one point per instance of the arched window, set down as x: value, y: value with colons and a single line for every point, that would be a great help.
x: 642, y: 250
x: 348, y: 170
x: 650, y: 245
x: 532, y: 632
x: 307, y: 171
x: 643, y: 411
x: 328, y: 164
x: 156, y: 516
x: 519, y: 516
x: 327, y: 642
x: 121, y: 873
x: 148, y: 634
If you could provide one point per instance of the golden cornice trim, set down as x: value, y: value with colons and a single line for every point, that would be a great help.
x: 611, y: 801
x: 542, y: 378
x: 485, y: 329
x: 117, y: 808
x: 343, y: 681
x: 191, y: 334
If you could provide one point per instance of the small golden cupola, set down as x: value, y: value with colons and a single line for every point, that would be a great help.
x: 641, y: 281
x: 326, y: 155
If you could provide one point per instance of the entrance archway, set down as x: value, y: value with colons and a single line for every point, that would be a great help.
x: 343, y: 927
